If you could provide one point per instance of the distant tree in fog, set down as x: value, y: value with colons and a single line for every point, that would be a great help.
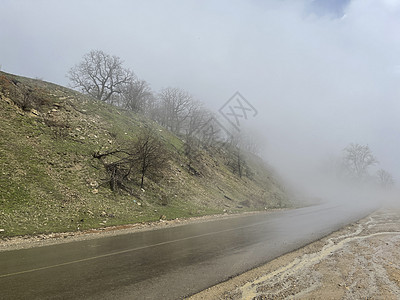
x: 197, y: 117
x: 194, y: 126
x: 237, y: 147
x: 175, y: 107
x: 385, y: 179
x: 100, y: 75
x: 136, y: 96
x: 357, y: 159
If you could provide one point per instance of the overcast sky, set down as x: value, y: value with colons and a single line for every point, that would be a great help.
x: 321, y: 74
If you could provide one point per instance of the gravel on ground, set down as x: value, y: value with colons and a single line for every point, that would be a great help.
x: 360, y: 261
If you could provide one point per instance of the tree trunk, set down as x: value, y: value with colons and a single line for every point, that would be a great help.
x: 141, y: 183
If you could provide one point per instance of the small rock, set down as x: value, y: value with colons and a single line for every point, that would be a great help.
x: 103, y: 214
x: 143, y: 190
x: 35, y: 112
x: 2, y: 230
x: 163, y: 217
x: 140, y: 204
x: 94, y: 184
x: 95, y: 191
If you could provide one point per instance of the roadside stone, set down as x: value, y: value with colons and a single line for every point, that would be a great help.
x: 94, y: 184
x: 35, y: 112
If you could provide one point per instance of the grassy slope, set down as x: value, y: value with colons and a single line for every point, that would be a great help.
x: 50, y: 182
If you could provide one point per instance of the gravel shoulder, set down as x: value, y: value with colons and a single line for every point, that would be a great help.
x: 360, y: 261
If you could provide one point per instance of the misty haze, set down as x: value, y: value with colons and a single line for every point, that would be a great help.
x: 200, y: 149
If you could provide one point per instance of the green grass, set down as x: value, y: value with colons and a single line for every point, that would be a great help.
x: 50, y: 182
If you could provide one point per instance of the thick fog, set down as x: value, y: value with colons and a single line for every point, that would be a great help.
x: 321, y: 74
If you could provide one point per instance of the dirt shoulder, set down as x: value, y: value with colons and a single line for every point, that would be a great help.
x: 360, y: 261
x: 30, y: 241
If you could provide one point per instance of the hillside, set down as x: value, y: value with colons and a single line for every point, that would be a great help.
x: 51, y: 181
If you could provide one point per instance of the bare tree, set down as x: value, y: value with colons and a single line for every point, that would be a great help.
x: 237, y: 147
x: 100, y: 75
x: 136, y: 96
x: 385, y: 179
x: 197, y: 118
x: 119, y: 165
x: 144, y: 157
x: 192, y: 151
x: 238, y: 163
x: 211, y: 133
x: 357, y: 159
x: 175, y: 107
x: 150, y: 154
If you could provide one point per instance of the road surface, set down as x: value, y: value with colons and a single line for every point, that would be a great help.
x: 167, y: 263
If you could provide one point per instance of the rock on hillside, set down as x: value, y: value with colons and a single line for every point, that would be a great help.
x: 50, y: 180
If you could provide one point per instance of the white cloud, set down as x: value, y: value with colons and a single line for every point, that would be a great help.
x: 392, y: 4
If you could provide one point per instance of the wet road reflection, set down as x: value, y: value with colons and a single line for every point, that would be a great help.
x: 166, y: 263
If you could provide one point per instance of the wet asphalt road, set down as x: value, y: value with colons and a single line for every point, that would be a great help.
x: 166, y: 263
